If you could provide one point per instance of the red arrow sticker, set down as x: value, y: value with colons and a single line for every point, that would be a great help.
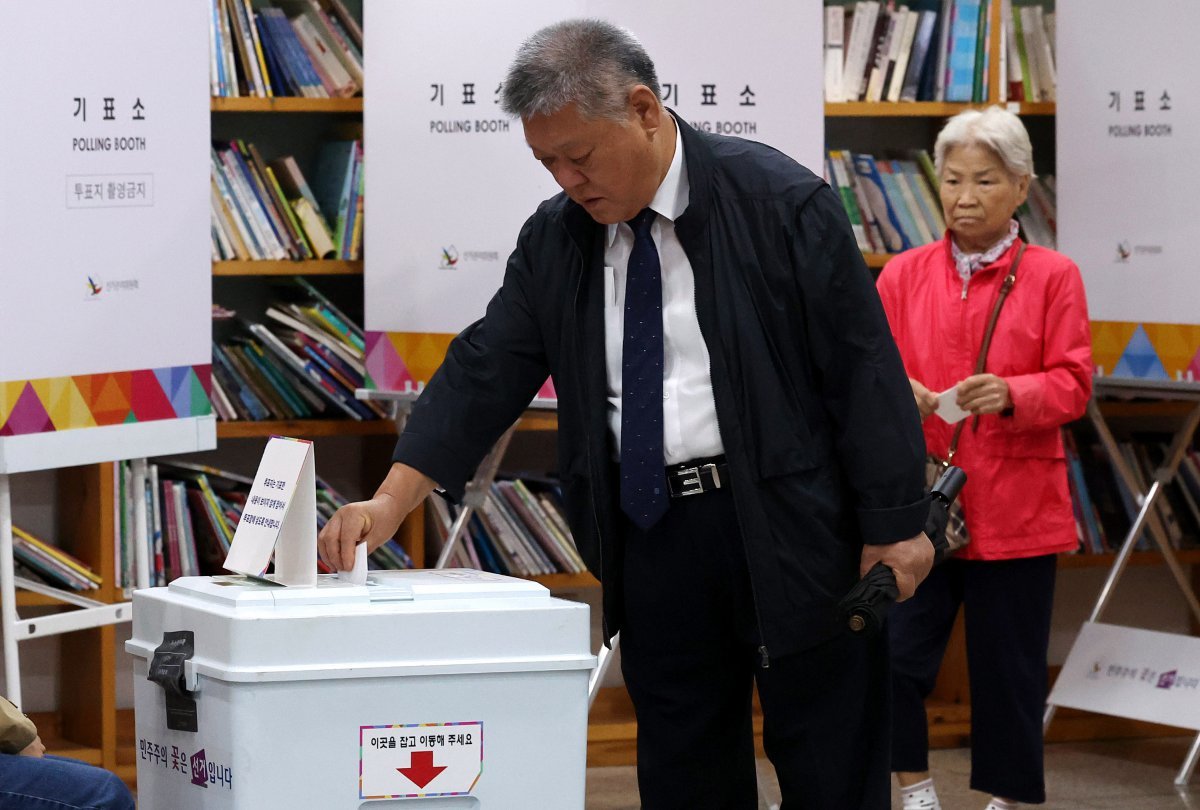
x: 421, y: 771
x: 419, y: 760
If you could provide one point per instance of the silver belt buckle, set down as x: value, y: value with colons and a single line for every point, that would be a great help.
x: 694, y: 484
x: 691, y: 485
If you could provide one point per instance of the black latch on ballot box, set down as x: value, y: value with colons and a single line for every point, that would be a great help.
x: 166, y: 669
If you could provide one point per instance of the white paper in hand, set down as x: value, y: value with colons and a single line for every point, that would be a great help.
x: 948, y: 409
x: 358, y: 574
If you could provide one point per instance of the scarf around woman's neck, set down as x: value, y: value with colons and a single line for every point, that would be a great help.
x: 968, y: 263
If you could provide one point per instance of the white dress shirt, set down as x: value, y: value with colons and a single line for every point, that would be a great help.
x: 689, y: 412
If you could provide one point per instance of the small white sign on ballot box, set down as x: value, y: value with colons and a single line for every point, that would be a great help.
x: 250, y: 694
x: 1128, y: 672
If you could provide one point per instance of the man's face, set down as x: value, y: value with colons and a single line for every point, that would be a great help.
x: 609, y: 167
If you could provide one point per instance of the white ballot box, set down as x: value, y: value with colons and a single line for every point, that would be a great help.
x: 424, y: 690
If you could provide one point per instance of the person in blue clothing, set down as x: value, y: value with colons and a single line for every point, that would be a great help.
x: 32, y: 780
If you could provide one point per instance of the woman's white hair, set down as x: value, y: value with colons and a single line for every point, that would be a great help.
x: 995, y: 128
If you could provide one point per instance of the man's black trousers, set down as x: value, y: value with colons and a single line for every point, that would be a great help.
x: 689, y: 656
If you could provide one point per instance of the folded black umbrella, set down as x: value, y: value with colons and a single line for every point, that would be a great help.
x: 865, y: 607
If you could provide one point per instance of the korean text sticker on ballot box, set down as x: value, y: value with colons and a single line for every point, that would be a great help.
x: 438, y: 689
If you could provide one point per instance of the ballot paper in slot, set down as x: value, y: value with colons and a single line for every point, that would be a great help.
x: 280, y: 517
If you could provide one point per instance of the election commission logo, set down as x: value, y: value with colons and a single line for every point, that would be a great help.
x: 449, y: 258
x: 95, y: 286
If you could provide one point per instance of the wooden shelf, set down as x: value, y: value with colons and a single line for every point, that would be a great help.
x: 287, y: 104
x: 1187, y: 556
x: 566, y: 582
x: 1146, y: 409
x: 305, y: 428
x: 538, y: 420
x: 923, y: 109
x: 30, y: 599
x: 877, y: 260
x: 315, y: 267
x: 49, y: 727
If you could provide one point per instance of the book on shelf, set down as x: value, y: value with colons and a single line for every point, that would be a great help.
x: 306, y: 48
x: 883, y: 208
x: 837, y: 178
x: 898, y: 69
x: 267, y: 210
x: 52, y: 565
x: 895, y: 204
x: 336, y: 189
x: 983, y: 54
x: 922, y: 44
x: 1105, y: 507
x: 1038, y: 215
x: 517, y: 530
x: 912, y: 225
x: 834, y: 53
x: 938, y: 50
x: 960, y: 60
x: 303, y: 358
x: 198, y: 508
x: 886, y: 49
x: 300, y: 198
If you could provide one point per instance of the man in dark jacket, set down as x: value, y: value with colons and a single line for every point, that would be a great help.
x: 737, y: 437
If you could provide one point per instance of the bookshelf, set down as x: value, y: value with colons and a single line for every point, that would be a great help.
x: 885, y: 131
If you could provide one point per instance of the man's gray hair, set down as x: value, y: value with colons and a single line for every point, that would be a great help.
x: 590, y: 63
x: 995, y: 128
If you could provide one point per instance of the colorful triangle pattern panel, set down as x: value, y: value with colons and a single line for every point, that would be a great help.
x: 547, y: 390
x: 63, y: 402
x: 386, y: 371
x: 1140, y: 360
x: 1177, y: 346
x: 1147, y: 351
x: 27, y: 416
x: 200, y: 384
x: 1109, y: 339
x: 404, y: 361
x: 111, y: 398
x: 10, y: 392
x: 149, y: 400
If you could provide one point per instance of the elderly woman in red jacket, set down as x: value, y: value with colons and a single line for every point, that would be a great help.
x: 939, y: 299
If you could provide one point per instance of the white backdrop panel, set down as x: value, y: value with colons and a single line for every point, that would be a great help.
x: 1127, y: 170
x: 451, y: 178
x: 78, y: 76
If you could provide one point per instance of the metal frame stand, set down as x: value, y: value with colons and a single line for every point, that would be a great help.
x: 91, y: 613
x: 1146, y: 518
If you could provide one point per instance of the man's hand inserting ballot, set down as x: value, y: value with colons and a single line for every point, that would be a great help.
x: 375, y: 521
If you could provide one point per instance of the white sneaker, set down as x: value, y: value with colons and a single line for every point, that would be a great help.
x: 921, y: 796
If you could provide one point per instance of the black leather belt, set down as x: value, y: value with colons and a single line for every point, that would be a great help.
x: 699, y: 475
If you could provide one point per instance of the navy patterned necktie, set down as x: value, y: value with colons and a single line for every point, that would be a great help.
x: 643, y: 477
